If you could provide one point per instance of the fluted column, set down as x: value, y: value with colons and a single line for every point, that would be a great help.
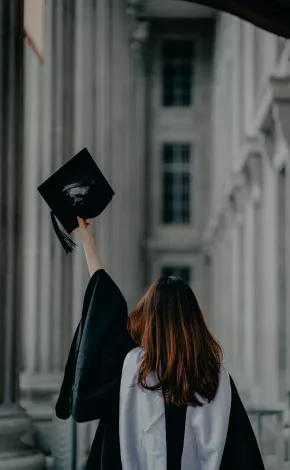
x: 83, y: 125
x: 214, y: 305
x: 235, y: 259
x: 13, y: 420
x: 44, y: 310
x: 222, y: 286
x: 121, y: 93
x: 254, y: 171
x: 103, y: 140
x: 249, y: 294
x: 248, y: 77
x: 228, y: 286
x: 218, y: 314
x: 138, y: 166
x: 33, y: 92
x: 215, y: 314
x: 65, y: 152
x: 287, y: 223
x: 269, y: 280
x: 85, y: 105
x: 47, y: 271
x: 239, y: 279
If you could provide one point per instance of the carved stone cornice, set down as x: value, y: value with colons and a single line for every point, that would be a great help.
x: 134, y: 7
x: 139, y: 36
x: 273, y: 122
x: 252, y: 166
x: 211, y: 231
x: 239, y: 195
x: 254, y: 169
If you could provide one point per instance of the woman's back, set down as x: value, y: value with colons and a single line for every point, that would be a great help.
x: 143, y: 423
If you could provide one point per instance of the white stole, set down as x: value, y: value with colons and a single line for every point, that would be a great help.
x: 142, y: 424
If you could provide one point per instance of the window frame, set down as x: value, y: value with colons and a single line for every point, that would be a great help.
x: 189, y: 172
x: 172, y: 37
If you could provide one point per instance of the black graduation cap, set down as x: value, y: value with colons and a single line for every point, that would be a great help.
x: 78, y: 188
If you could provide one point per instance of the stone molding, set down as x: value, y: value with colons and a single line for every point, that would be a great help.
x: 245, y: 180
x: 273, y: 123
x: 139, y: 36
x: 156, y: 245
x: 134, y: 7
x: 251, y: 166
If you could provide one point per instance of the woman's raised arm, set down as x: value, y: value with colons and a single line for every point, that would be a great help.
x: 87, y: 240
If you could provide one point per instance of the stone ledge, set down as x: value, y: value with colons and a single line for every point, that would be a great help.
x: 32, y: 461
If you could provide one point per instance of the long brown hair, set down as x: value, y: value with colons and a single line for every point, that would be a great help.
x: 168, y: 323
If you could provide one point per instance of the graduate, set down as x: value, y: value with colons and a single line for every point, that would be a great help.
x: 155, y: 379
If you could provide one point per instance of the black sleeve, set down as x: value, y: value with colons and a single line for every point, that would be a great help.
x: 241, y: 450
x: 63, y: 408
x: 103, y: 347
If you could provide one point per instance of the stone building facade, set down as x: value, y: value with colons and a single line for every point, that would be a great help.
x: 200, y: 167
x: 247, y: 237
x: 248, y: 225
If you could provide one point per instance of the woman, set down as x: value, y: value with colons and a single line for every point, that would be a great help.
x: 154, y: 379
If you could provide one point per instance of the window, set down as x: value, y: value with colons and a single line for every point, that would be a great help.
x: 177, y: 71
x: 176, y: 183
x: 182, y: 272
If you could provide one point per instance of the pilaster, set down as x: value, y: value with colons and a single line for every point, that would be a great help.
x: 138, y: 41
x: 16, y: 436
x: 47, y: 293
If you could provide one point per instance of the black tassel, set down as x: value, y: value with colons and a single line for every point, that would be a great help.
x: 66, y: 242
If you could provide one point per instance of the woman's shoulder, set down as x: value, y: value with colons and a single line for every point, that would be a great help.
x: 223, y: 390
x: 224, y: 387
x: 134, y: 356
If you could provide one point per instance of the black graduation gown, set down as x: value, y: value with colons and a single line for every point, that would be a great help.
x: 271, y: 15
x: 91, y: 385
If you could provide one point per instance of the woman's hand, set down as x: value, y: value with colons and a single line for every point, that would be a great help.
x: 93, y: 260
x: 82, y: 232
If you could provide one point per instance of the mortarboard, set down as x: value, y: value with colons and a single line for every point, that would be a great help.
x: 78, y: 188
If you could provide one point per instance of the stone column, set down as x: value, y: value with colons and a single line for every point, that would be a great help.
x: 33, y: 94
x: 249, y: 292
x: 122, y: 241
x: 47, y: 275
x: 14, y: 423
x: 138, y: 165
x: 218, y: 301
x: 46, y: 233
x: 239, y: 267
x: 281, y: 109
x: 274, y: 129
x: 237, y: 85
x: 248, y: 77
x: 227, y: 290
x: 222, y: 286
x: 254, y: 172
x: 103, y: 140
x: 214, y: 288
x: 269, y: 280
x: 215, y: 314
x: 85, y: 105
x: 235, y: 259
x: 81, y: 96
